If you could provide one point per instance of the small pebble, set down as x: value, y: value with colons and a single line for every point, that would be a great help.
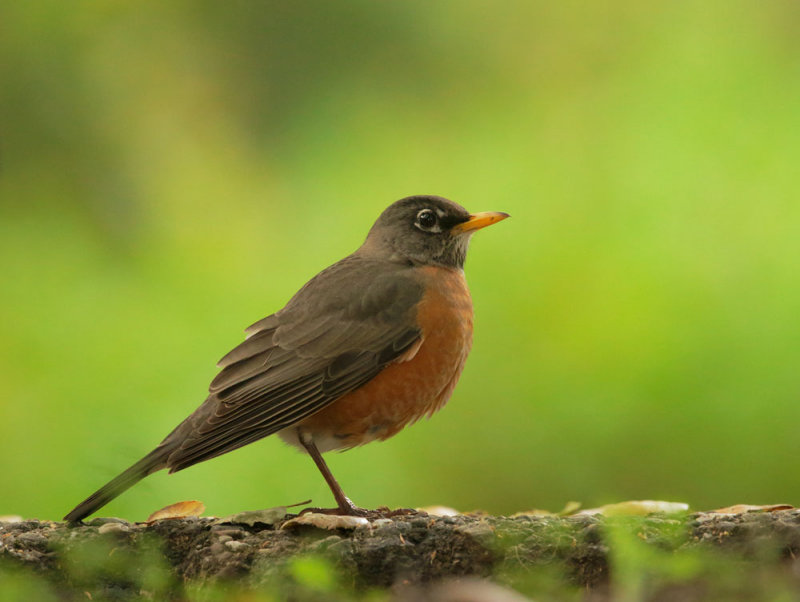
x: 34, y: 540
x: 96, y: 522
x: 235, y: 546
x: 113, y: 528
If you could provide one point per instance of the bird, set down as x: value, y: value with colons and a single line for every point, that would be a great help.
x: 366, y: 347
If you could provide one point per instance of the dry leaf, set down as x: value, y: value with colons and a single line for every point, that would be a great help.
x: 10, y: 518
x: 268, y: 516
x: 326, y: 521
x: 178, y: 510
x: 637, y: 508
x: 569, y: 509
x: 742, y: 508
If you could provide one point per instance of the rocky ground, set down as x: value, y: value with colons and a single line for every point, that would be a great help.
x: 659, y: 557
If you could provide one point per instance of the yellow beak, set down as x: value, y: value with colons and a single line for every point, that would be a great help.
x: 480, y: 220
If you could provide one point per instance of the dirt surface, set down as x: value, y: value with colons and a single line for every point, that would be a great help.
x: 114, y: 559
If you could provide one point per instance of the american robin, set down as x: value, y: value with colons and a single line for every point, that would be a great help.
x: 366, y: 347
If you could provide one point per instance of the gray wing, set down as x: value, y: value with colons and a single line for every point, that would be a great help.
x: 339, y: 331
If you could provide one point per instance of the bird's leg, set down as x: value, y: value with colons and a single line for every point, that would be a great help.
x: 345, y: 506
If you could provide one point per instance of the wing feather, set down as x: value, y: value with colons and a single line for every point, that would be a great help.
x: 254, y: 344
x: 329, y: 340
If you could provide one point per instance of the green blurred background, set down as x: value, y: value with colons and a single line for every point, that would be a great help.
x: 172, y: 172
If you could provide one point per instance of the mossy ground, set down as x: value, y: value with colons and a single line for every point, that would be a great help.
x: 749, y: 556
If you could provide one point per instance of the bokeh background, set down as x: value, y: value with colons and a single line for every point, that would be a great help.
x: 172, y: 172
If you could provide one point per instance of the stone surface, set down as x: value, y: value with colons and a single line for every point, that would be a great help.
x: 410, y: 550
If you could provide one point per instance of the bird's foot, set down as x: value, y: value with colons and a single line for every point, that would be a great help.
x: 353, y: 510
x: 346, y: 511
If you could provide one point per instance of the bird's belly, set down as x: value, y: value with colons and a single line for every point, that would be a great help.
x: 408, y: 389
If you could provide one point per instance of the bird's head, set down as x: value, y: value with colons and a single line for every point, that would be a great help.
x: 426, y: 230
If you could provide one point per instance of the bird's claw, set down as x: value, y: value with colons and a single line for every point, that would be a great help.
x: 353, y: 510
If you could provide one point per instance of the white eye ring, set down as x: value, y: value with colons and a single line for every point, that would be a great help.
x: 428, y: 221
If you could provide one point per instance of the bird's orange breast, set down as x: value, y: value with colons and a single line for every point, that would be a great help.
x: 418, y: 383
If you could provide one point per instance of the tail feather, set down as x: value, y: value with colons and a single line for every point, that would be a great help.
x: 155, y: 460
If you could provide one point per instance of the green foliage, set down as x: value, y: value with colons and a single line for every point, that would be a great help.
x: 647, y: 564
x: 174, y: 172
x: 16, y: 585
x: 105, y: 568
x: 314, y: 573
x: 225, y: 592
x: 110, y: 568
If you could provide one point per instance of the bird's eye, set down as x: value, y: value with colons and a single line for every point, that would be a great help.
x: 426, y: 219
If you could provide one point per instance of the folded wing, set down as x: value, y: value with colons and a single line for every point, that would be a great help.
x: 326, y: 342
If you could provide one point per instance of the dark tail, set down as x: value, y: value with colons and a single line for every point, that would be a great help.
x: 155, y: 460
